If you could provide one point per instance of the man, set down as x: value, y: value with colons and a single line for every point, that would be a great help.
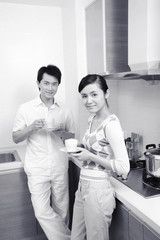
x: 43, y: 122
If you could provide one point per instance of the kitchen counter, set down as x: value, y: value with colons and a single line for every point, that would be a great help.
x: 146, y: 209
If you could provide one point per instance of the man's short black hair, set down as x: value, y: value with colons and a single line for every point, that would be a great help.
x: 50, y: 70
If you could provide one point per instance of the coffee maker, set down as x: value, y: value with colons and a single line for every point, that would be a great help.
x: 134, y: 148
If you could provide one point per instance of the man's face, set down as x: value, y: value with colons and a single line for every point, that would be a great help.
x: 48, y: 86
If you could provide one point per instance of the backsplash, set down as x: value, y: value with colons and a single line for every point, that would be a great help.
x: 138, y: 107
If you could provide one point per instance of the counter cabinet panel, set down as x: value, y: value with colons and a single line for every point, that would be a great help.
x: 73, y: 173
x: 149, y: 234
x: 17, y: 220
x: 126, y: 226
x: 135, y: 228
x: 119, y: 228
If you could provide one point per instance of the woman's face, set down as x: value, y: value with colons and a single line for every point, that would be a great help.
x: 94, y: 98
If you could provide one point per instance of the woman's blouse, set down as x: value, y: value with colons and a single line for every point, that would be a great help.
x: 107, y: 141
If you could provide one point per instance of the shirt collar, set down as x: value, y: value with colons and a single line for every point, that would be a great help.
x: 38, y: 102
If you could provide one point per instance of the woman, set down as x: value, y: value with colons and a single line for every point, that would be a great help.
x: 104, y: 152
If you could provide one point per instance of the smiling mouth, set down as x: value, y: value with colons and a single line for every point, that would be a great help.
x: 90, y: 106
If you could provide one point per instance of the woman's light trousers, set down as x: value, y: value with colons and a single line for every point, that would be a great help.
x: 94, y: 205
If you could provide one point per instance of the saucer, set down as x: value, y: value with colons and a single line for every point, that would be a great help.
x: 64, y: 149
x: 51, y: 129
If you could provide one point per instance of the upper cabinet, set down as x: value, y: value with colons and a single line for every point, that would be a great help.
x: 107, y: 36
x: 144, y: 35
x: 95, y: 38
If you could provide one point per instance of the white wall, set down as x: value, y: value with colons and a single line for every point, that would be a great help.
x: 31, y: 36
x: 70, y: 59
x: 139, y: 109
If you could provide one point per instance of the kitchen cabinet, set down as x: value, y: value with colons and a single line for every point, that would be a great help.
x: 149, y: 234
x: 135, y: 228
x: 107, y: 36
x: 17, y: 220
x: 126, y: 225
x: 94, y: 37
x: 119, y: 228
x: 17, y: 217
x: 74, y: 173
x: 40, y: 231
x: 36, y: 237
x: 138, y: 230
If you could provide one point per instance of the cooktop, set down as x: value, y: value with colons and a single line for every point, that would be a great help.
x: 135, y: 181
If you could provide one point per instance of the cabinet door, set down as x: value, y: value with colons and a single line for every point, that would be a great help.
x: 74, y: 173
x: 119, y: 226
x: 94, y: 37
x: 135, y: 228
x: 17, y: 219
x: 149, y: 234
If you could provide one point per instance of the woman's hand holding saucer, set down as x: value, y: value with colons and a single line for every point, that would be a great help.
x: 82, y: 154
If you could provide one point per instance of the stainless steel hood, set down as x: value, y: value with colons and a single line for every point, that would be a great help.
x: 147, y: 74
x: 143, y: 46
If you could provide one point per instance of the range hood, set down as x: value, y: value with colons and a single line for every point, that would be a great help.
x: 143, y: 43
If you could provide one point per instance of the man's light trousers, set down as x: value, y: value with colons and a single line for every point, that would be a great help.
x: 50, y: 201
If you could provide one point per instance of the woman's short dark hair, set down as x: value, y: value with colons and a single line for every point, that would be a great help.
x: 93, y: 78
x: 50, y: 70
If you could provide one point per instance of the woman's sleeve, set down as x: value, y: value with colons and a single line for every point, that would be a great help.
x: 120, y: 163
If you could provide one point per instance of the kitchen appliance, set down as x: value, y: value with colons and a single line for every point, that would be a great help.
x: 153, y: 182
x: 152, y: 156
x: 143, y: 43
x: 134, y: 148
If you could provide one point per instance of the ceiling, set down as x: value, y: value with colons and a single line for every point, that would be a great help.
x: 52, y: 3
x: 58, y: 3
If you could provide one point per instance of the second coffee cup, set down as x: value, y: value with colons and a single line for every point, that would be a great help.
x: 71, y: 144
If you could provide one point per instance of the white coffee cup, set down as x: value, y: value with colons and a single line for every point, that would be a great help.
x: 71, y: 144
x: 50, y: 122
